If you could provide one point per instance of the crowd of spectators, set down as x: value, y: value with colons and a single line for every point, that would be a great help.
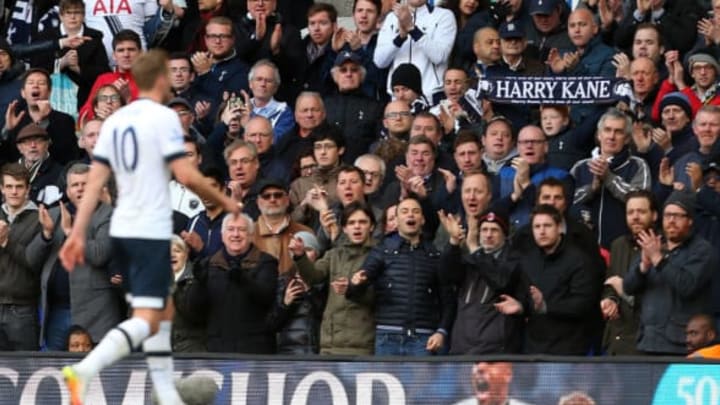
x: 389, y: 206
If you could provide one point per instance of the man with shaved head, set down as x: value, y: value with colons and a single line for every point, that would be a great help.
x: 588, y: 56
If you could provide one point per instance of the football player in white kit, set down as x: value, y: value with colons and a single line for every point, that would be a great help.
x: 142, y: 144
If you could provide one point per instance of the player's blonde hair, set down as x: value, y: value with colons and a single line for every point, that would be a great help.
x: 148, y: 67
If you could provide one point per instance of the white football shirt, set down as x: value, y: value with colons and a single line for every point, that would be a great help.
x: 137, y: 142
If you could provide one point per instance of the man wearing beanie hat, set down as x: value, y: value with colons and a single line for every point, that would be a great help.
x: 674, y: 139
x: 493, y: 292
x: 420, y: 34
x: 704, y: 69
x: 406, y: 85
x: 671, y: 278
x: 10, y: 73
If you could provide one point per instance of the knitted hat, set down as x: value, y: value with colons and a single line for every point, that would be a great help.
x: 683, y: 199
x: 679, y: 99
x: 497, y: 216
x: 704, y: 57
x: 407, y: 75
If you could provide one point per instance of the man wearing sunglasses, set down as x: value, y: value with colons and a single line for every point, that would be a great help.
x: 274, y: 227
x: 350, y: 108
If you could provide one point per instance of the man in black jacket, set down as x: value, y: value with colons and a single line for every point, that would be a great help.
x: 35, y: 108
x: 564, y: 293
x: 235, y: 290
x: 20, y: 275
x: 414, y: 310
x: 33, y: 143
x: 350, y: 109
x: 486, y: 274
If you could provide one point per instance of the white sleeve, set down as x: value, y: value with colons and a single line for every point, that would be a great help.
x: 170, y: 136
x: 103, y: 148
x: 438, y: 42
x: 386, y: 50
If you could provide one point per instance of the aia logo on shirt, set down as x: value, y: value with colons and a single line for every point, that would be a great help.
x: 111, y: 7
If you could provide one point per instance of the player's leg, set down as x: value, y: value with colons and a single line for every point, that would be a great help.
x: 115, y: 345
x: 150, y: 287
x: 158, y: 354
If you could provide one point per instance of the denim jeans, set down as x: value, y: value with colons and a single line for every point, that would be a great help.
x: 400, y: 344
x: 57, y: 325
x: 19, y: 323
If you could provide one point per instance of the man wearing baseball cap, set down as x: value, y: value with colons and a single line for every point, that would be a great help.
x: 493, y: 292
x: 33, y: 143
x: 513, y: 44
x: 350, y: 108
x: 672, y: 278
x: 549, y: 26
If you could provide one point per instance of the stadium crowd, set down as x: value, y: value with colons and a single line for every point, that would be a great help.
x: 389, y: 206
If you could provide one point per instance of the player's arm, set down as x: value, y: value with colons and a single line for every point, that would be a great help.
x: 73, y: 250
x: 190, y: 177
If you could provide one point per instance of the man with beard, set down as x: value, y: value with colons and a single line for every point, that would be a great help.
x: 274, y: 226
x: 414, y: 310
x: 622, y: 311
x: 259, y: 131
x: 671, y: 278
x: 397, y: 121
x: 33, y: 142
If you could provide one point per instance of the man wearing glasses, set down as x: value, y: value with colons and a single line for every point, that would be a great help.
x: 350, y: 108
x: 219, y: 69
x: 274, y: 227
x: 671, y: 277
x: 515, y: 185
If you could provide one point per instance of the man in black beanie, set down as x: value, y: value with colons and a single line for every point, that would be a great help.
x: 406, y: 85
x: 671, y: 277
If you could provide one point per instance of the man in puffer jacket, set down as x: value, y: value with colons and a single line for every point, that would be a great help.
x: 414, y: 310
